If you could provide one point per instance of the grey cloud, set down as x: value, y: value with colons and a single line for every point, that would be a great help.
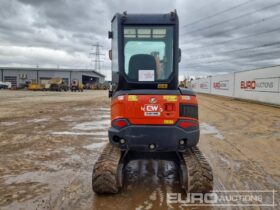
x: 65, y: 30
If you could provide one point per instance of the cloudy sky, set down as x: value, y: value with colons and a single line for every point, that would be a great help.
x: 216, y: 36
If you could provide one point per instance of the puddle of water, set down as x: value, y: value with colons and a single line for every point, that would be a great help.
x: 76, y: 157
x: 219, y: 136
x: 209, y: 129
x: 104, y: 138
x: 103, y: 109
x: 94, y: 146
x: 226, y: 161
x: 80, y: 133
x: 67, y: 150
x: 91, y: 126
x: 81, y: 109
x: 38, y: 120
x: 96, y: 117
x: 8, y: 123
x: 68, y: 118
x: 34, y: 176
x: 99, y: 116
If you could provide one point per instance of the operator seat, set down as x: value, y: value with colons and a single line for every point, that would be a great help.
x: 140, y: 62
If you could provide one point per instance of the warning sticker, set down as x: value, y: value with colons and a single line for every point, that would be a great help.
x: 170, y: 98
x: 168, y: 122
x: 162, y: 86
x: 132, y: 98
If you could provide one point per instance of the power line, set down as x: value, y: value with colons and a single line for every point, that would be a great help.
x: 240, y: 58
x: 239, y: 27
x: 242, y: 49
x: 219, y: 13
x: 247, y: 36
x: 232, y: 19
x: 244, y: 66
x: 217, y: 63
x: 255, y: 47
x: 267, y: 56
x: 208, y: 67
x: 237, y: 61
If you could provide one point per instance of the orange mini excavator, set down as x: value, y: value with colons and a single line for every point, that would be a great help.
x: 151, y: 118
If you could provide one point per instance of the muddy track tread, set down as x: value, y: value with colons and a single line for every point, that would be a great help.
x: 104, y: 176
x: 200, y: 176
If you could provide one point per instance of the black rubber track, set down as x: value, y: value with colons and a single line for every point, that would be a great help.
x: 104, y: 176
x: 199, y: 172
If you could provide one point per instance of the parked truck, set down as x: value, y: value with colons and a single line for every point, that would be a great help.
x: 58, y: 84
x: 36, y: 86
x: 5, y: 85
x: 76, y: 86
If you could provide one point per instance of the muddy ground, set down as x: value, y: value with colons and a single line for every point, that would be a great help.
x: 49, y: 142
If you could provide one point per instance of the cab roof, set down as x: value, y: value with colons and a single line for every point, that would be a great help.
x: 146, y: 19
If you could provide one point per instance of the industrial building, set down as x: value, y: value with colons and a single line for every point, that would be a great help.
x: 19, y: 76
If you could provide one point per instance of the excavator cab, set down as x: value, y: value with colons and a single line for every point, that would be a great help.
x: 151, y: 117
x: 145, y: 52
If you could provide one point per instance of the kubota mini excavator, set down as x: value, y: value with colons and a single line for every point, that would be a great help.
x: 150, y: 116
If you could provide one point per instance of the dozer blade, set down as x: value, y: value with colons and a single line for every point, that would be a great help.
x: 196, y: 173
x: 108, y: 171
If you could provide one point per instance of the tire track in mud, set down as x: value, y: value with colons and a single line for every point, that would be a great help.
x: 242, y: 110
x: 228, y: 117
x: 252, y: 119
x: 246, y: 172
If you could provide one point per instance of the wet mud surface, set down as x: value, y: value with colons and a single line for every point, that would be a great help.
x: 49, y: 143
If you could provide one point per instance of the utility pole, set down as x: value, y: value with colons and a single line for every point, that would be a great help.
x: 95, y: 56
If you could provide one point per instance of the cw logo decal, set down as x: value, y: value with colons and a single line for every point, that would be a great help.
x: 151, y: 108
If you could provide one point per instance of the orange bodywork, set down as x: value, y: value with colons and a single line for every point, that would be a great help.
x: 150, y: 109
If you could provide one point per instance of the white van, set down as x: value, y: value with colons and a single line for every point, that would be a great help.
x: 5, y: 85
